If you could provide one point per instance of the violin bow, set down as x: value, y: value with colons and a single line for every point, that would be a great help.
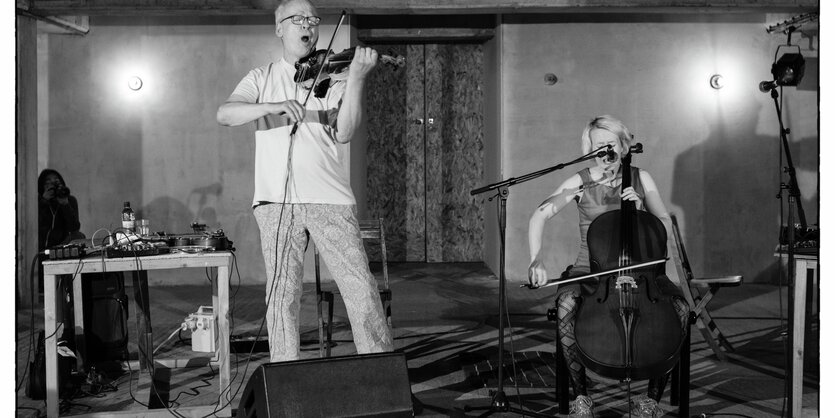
x: 325, y: 62
x: 554, y: 282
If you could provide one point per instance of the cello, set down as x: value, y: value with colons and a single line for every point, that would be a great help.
x: 629, y: 306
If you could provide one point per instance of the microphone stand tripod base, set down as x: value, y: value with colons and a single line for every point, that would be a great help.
x: 499, y: 403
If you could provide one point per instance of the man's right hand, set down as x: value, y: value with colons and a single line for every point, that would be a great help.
x: 290, y: 108
x: 537, y: 275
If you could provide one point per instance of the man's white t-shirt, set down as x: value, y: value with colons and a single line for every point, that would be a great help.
x: 318, y: 173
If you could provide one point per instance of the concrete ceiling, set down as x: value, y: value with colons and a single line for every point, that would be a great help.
x: 406, y: 7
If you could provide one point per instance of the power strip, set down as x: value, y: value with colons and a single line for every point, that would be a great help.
x: 63, y: 252
x: 203, y: 329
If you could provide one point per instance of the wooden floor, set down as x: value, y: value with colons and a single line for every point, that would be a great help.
x: 445, y: 320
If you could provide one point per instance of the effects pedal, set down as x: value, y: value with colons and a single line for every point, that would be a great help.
x: 135, y: 249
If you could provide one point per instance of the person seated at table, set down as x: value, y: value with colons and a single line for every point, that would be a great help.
x: 57, y: 211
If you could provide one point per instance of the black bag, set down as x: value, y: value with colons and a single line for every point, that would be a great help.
x: 36, y: 385
x: 105, y: 316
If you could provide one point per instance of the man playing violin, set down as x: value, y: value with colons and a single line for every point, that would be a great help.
x: 597, y: 190
x: 302, y: 189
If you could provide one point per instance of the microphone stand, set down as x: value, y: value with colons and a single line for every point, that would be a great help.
x: 794, y: 201
x: 499, y: 401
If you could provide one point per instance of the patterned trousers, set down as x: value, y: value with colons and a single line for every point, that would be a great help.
x: 334, y: 229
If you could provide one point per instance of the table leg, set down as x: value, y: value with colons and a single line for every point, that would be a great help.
x: 50, y: 303
x: 78, y: 313
x: 798, y: 335
x: 145, y: 336
x: 221, y: 307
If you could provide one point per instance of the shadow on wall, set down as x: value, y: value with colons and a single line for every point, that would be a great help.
x: 726, y: 187
x: 173, y: 216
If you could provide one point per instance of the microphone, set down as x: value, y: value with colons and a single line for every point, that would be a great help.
x: 767, y: 86
x: 608, y: 153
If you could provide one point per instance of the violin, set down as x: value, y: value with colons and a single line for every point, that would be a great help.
x: 627, y: 328
x: 333, y: 66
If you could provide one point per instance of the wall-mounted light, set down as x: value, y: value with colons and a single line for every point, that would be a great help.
x: 550, y: 79
x: 135, y: 83
x: 716, y: 81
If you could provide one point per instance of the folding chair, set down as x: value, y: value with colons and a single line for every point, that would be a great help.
x: 371, y: 229
x: 698, y: 292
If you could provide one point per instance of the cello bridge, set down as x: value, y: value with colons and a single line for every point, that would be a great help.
x: 626, y: 280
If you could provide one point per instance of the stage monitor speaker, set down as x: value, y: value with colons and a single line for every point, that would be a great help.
x: 366, y: 385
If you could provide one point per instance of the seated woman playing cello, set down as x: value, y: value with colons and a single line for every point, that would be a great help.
x: 597, y: 190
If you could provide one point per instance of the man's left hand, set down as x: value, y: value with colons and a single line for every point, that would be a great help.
x: 365, y: 59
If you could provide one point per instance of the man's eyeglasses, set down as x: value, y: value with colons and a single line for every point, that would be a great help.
x: 298, y: 19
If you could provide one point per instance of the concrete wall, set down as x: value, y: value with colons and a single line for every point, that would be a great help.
x: 713, y: 154
x: 160, y: 147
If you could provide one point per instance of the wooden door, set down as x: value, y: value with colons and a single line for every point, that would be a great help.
x: 425, y: 152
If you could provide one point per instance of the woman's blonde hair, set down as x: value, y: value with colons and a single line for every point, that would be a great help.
x: 610, y: 124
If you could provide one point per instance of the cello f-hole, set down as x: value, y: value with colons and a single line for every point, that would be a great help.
x: 646, y: 288
x: 606, y: 294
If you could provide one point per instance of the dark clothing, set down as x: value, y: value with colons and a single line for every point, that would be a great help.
x: 57, y: 222
x: 597, y: 199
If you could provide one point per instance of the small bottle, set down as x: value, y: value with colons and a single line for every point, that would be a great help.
x: 128, y: 218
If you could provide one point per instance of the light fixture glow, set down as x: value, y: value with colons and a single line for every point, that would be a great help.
x: 716, y: 81
x: 135, y: 83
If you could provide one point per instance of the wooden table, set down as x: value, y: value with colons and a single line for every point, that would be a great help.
x: 805, y: 268
x: 222, y: 261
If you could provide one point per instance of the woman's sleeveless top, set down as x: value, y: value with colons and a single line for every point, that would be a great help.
x: 597, y: 199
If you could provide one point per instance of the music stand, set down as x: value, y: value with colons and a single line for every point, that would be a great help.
x: 499, y: 401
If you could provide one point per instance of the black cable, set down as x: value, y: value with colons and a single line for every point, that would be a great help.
x: 31, y: 322
x: 278, y: 260
x: 144, y: 353
x: 194, y: 391
x: 512, y: 356
x: 232, y: 378
x: 506, y: 313
x: 65, y: 405
x: 58, y: 284
x: 789, y: 230
x: 130, y: 385
x: 38, y: 412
